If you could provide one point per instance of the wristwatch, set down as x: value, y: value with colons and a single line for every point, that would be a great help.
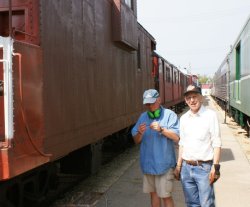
x: 161, y: 129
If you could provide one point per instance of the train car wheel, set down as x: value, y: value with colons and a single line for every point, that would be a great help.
x: 38, y: 184
x: 236, y: 116
x: 10, y: 193
x: 248, y: 128
x: 4, y: 204
x: 241, y: 119
x: 28, y: 190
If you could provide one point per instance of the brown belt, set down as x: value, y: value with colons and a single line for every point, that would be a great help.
x: 197, y: 162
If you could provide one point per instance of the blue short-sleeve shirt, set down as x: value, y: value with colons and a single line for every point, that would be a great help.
x: 157, y: 152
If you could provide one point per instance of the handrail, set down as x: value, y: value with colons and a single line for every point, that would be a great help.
x: 19, y: 55
x: 7, y: 44
x: 10, y: 18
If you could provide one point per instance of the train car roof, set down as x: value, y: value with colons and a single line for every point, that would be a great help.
x: 241, y: 31
x: 156, y: 54
x: 233, y: 46
x: 182, y: 70
x: 149, y: 35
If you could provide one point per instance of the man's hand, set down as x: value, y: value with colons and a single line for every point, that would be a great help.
x: 1, y: 87
x: 214, y: 174
x: 177, y: 172
x: 155, y: 126
x: 142, y: 128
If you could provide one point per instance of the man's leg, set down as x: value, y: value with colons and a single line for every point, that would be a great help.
x: 189, y: 186
x: 206, y: 191
x: 155, y: 200
x: 164, y: 187
x: 168, y: 202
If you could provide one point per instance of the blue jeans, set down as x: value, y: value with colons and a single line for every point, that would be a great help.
x: 196, y: 187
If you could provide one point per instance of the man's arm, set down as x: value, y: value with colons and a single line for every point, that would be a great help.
x: 138, y: 137
x: 1, y: 87
x: 170, y: 134
x: 177, y: 170
x: 215, y: 173
x: 166, y: 132
x: 217, y: 152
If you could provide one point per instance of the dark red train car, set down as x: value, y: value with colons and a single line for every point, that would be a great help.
x: 192, y: 79
x: 73, y: 72
x: 169, y: 80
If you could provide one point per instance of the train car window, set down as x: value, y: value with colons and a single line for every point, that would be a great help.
x: 181, y: 79
x: 238, y: 62
x: 129, y: 3
x: 168, y: 78
x: 18, y: 24
x: 139, y: 55
x: 4, y: 23
x: 124, y: 24
x: 175, y: 77
x: 171, y: 74
x: 178, y: 77
x: 224, y: 78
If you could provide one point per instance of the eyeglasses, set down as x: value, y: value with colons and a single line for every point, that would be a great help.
x: 194, y: 97
x: 149, y: 104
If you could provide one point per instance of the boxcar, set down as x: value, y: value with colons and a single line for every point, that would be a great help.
x: 73, y: 72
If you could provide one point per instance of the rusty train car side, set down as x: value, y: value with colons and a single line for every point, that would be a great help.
x: 80, y: 80
x: 78, y: 69
x: 72, y: 73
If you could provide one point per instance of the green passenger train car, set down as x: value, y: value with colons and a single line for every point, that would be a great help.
x: 239, y: 77
x: 234, y: 73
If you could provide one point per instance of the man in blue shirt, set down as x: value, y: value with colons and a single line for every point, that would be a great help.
x: 156, y: 130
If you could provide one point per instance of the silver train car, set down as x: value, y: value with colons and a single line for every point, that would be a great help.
x: 232, y: 80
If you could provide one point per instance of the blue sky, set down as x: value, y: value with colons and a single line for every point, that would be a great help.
x: 194, y: 34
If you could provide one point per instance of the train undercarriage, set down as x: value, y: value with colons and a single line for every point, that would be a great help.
x: 239, y: 117
x: 40, y: 186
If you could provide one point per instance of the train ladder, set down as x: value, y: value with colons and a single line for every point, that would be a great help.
x: 6, y: 44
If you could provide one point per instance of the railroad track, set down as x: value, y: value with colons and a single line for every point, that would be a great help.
x: 87, y: 192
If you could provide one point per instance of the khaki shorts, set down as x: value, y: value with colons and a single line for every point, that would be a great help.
x: 161, y: 184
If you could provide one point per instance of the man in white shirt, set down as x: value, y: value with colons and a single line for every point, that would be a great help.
x: 199, y: 151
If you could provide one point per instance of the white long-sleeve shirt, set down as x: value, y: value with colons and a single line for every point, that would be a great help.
x: 199, y: 134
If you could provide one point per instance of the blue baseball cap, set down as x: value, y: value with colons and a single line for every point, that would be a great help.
x: 150, y: 96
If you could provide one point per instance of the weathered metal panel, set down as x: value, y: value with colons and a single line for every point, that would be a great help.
x: 25, y: 150
x: 92, y: 88
x: 77, y: 84
x: 124, y: 24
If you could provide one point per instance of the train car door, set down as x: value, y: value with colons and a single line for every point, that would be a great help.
x: 1, y: 97
x: 238, y: 73
x: 161, y: 83
x: 168, y: 84
x: 182, y: 84
x: 179, y: 86
x: 175, y: 84
x: 6, y: 98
